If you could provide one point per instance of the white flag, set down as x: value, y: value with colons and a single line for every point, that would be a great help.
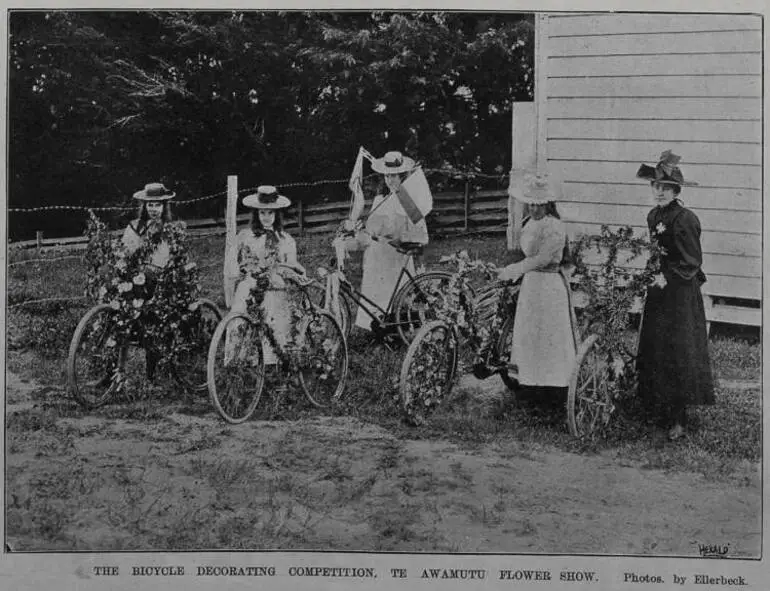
x: 356, y: 186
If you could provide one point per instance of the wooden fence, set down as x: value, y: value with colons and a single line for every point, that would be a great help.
x: 456, y: 212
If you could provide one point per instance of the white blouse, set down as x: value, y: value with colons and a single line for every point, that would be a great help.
x: 132, y: 241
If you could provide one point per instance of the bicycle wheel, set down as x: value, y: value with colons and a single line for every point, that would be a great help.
x: 236, y: 368
x: 414, y: 304
x: 589, y: 405
x: 317, y: 293
x: 322, y: 358
x: 194, y: 341
x: 428, y: 370
x: 504, y: 344
x: 94, y: 356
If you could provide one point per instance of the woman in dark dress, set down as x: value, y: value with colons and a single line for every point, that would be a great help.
x: 673, y: 359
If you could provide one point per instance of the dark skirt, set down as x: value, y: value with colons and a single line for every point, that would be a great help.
x: 673, y: 360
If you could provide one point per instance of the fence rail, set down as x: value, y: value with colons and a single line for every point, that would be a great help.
x: 453, y: 212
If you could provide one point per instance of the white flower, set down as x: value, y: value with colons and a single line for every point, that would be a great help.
x: 660, y: 228
x: 659, y: 280
x: 111, y: 342
x: 102, y: 291
x: 192, y: 307
x: 138, y: 303
x: 115, y: 305
x: 189, y: 266
x: 125, y: 286
x: 618, y: 366
x: 139, y: 279
x: 120, y: 265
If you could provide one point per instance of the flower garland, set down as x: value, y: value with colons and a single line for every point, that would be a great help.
x: 611, y: 291
x: 452, y: 303
x: 154, y: 306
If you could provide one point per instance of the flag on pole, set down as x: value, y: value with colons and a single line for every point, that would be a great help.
x: 356, y: 184
x: 415, y: 196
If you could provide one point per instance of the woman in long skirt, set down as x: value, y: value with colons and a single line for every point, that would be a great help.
x: 261, y: 249
x: 673, y: 358
x: 543, y: 345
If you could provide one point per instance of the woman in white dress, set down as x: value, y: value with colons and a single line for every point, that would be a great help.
x: 265, y: 248
x: 387, y: 226
x: 543, y: 345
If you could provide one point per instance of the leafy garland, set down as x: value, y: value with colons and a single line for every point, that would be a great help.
x: 293, y: 355
x: 611, y: 291
x: 152, y: 305
x: 452, y: 303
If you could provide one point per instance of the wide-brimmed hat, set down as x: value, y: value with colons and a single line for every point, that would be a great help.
x: 535, y: 189
x: 393, y: 163
x: 266, y: 197
x: 665, y: 171
x: 154, y: 192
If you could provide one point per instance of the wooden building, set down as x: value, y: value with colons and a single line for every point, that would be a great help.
x: 614, y: 90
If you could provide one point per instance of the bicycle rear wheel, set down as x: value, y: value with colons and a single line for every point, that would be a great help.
x: 317, y: 294
x: 414, y: 304
x: 190, y: 368
x: 322, y: 358
x: 589, y: 404
x: 428, y: 370
x: 235, y: 368
x: 94, y: 358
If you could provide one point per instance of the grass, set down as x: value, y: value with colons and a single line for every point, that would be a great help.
x: 278, y: 495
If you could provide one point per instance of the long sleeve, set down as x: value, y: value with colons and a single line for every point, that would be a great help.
x: 289, y: 252
x: 545, y: 248
x: 687, y: 242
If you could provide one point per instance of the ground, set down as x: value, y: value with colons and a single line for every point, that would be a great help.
x: 186, y: 480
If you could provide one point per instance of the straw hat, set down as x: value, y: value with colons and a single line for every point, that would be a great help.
x: 665, y: 171
x: 535, y: 189
x: 266, y: 197
x: 154, y: 192
x: 393, y: 163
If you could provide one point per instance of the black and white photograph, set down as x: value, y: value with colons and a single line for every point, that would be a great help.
x: 384, y: 284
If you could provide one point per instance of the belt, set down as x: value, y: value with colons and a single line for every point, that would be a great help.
x: 552, y: 268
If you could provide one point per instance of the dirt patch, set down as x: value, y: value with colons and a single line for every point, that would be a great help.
x: 193, y: 482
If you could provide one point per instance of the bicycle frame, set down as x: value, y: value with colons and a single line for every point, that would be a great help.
x: 380, y: 314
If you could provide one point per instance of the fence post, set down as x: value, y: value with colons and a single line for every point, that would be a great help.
x: 230, y: 231
x: 467, y: 204
x: 39, y: 238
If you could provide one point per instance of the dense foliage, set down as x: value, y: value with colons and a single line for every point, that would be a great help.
x: 103, y: 102
x: 155, y: 307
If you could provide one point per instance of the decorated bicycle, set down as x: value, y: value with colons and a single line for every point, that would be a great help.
x: 392, y: 300
x: 272, y: 323
x: 149, y: 314
x: 598, y: 371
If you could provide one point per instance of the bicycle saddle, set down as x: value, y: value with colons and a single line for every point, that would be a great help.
x: 408, y: 247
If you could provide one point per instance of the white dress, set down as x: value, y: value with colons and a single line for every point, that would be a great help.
x: 132, y: 240
x: 250, y: 252
x: 382, y: 262
x: 543, y: 341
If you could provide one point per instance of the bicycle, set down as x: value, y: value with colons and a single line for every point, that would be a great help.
x: 408, y: 307
x: 100, y: 362
x: 318, y: 356
x: 431, y: 362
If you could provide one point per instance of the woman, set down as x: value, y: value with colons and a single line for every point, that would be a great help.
x: 259, y: 250
x: 154, y: 213
x: 543, y: 345
x: 386, y: 227
x: 673, y: 359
